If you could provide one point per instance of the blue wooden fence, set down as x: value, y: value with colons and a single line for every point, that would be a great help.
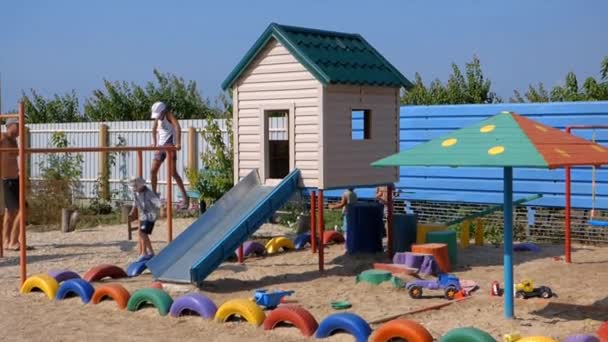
x: 484, y: 185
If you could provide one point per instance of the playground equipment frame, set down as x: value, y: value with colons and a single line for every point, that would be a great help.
x: 24, y: 151
x: 568, y: 194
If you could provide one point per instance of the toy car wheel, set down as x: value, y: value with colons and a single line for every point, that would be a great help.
x: 450, y: 292
x: 545, y: 292
x: 519, y: 294
x: 415, y: 292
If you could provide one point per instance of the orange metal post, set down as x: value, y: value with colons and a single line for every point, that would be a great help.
x: 321, y: 232
x: 169, y: 196
x: 313, y: 222
x: 240, y: 255
x: 140, y: 165
x: 1, y: 226
x: 389, y: 221
x: 22, y: 181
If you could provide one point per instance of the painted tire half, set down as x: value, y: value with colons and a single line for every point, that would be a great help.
x: 331, y: 236
x: 402, y: 329
x: 103, y: 271
x: 344, y: 321
x: 63, y: 275
x: 136, y: 268
x: 602, y: 332
x: 193, y: 302
x: 301, y: 241
x: 251, y: 248
x: 582, y: 338
x: 156, y: 285
x: 536, y: 339
x: 158, y: 298
x: 468, y: 334
x: 43, y: 282
x: 243, y: 308
x: 295, y: 315
x: 79, y: 287
x: 114, y: 291
x: 277, y: 244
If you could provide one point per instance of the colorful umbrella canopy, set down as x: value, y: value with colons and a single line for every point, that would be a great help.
x: 505, y: 140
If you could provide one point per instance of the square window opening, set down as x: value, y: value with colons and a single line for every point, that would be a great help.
x: 361, y: 124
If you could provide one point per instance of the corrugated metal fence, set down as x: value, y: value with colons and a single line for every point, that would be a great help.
x: 484, y: 185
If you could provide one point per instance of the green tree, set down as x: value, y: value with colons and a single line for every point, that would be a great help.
x: 470, y: 87
x: 124, y: 101
x: 217, y: 176
x: 591, y: 90
x: 59, y: 108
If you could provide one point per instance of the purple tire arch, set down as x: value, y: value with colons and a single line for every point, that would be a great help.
x: 63, y: 275
x: 252, y: 248
x: 194, y: 302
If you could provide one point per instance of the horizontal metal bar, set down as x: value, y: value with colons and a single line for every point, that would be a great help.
x: 9, y: 116
x: 90, y: 149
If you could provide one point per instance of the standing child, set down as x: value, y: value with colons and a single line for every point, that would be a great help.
x: 148, y: 205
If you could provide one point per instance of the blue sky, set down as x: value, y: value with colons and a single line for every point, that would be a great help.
x: 57, y: 46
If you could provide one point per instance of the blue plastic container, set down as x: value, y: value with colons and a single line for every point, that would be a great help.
x: 365, y: 227
x: 404, y: 232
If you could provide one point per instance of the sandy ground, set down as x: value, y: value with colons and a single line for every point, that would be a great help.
x: 581, y: 285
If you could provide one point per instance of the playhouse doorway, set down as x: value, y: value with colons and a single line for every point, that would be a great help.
x: 277, y: 144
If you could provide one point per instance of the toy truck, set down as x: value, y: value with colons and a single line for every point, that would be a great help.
x: 450, y: 285
x: 269, y: 300
x: 526, y: 290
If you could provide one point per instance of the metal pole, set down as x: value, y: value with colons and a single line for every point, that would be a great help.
x: 22, y: 181
x: 140, y: 165
x: 508, y: 245
x: 170, y: 196
x: 568, y: 218
x: 313, y: 221
x: 321, y: 232
x: 389, y: 221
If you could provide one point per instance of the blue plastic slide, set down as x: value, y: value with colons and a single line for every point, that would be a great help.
x: 214, y: 236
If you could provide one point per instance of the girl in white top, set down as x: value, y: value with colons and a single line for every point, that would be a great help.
x: 166, y: 132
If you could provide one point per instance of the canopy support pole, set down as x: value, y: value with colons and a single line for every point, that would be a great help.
x: 508, y: 245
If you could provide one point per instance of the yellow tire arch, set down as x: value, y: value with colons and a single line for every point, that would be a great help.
x: 275, y: 244
x: 243, y: 308
x: 44, y: 282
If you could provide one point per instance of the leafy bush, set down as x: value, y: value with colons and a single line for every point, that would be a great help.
x: 59, y: 185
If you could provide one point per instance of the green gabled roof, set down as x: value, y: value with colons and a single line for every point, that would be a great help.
x: 332, y: 57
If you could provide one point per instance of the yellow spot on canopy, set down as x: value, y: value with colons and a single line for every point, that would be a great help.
x: 487, y: 128
x: 496, y: 150
x: 562, y: 152
x: 449, y: 142
x: 598, y: 148
x: 541, y: 128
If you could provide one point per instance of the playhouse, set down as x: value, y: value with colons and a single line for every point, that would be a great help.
x: 320, y: 82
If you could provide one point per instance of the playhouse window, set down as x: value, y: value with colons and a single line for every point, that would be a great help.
x: 361, y: 124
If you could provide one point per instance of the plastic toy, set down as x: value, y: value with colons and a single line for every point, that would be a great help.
x: 449, y: 283
x: 602, y: 332
x: 244, y: 308
x: 341, y: 305
x: 582, y: 338
x: 374, y: 277
x: 526, y: 290
x: 270, y: 300
x: 496, y: 290
x: 277, y: 244
x: 296, y: 315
